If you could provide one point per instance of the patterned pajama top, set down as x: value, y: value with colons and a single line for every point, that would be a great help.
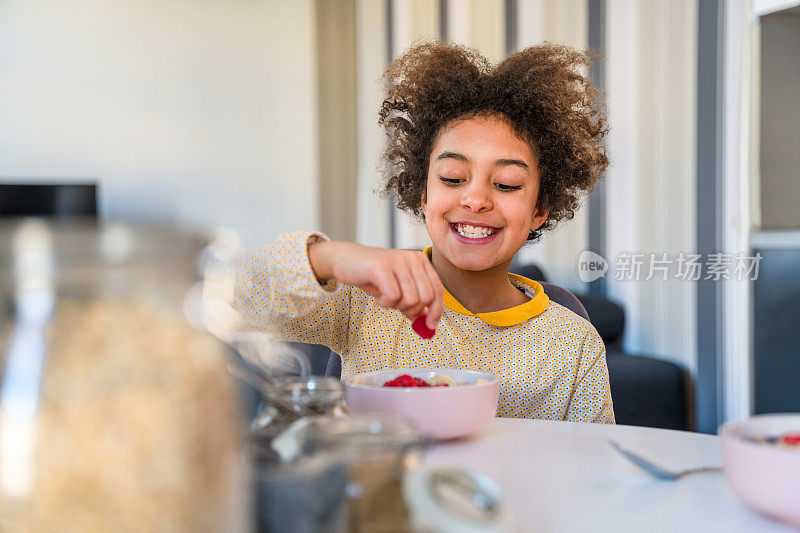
x: 551, y: 362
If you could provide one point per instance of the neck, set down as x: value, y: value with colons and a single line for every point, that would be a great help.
x: 481, y: 291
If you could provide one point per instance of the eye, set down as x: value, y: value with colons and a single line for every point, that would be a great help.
x: 451, y: 181
x: 505, y: 187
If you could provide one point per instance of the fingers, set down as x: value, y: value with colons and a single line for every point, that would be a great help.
x: 436, y: 305
x: 387, y: 289
x: 408, y: 282
x: 429, y: 288
x: 410, y: 303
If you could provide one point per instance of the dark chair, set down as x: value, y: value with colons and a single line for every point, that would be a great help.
x: 564, y: 297
x: 530, y: 271
x: 607, y: 317
x: 647, y: 391
x: 334, y: 367
x: 318, y: 355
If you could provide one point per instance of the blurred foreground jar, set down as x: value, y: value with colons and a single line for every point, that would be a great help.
x: 370, y: 453
x: 115, y: 414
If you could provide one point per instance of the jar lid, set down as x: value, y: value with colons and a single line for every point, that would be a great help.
x: 321, y: 394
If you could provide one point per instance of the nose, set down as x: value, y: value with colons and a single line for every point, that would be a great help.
x: 477, y: 197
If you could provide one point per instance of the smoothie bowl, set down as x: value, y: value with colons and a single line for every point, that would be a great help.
x: 761, y: 457
x: 443, y: 402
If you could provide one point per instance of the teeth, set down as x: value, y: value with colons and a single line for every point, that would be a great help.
x: 474, y: 232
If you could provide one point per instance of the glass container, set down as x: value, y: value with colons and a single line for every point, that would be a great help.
x: 377, y: 450
x: 285, y: 400
x: 115, y: 414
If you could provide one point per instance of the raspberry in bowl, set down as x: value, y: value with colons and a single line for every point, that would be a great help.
x: 444, y: 403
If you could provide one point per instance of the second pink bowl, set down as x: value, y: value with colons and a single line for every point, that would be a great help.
x: 766, y: 477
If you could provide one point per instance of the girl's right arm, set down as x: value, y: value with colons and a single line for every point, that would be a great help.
x: 276, y: 290
x: 292, y: 288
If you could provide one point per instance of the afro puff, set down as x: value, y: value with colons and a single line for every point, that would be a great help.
x: 541, y: 91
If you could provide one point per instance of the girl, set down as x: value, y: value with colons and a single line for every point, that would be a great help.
x: 488, y: 158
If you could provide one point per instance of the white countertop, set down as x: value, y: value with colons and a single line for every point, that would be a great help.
x: 564, y: 476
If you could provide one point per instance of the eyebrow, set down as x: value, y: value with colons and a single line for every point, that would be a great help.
x: 499, y: 162
x: 507, y: 162
x: 452, y: 155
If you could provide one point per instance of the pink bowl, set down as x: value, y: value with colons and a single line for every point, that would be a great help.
x: 764, y: 476
x: 439, y: 412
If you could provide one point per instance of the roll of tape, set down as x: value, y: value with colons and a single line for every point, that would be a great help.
x: 451, y: 499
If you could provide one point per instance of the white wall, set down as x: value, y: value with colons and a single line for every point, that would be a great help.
x: 202, y: 112
x: 565, y: 22
x: 371, y: 60
x: 413, y: 21
x: 651, y: 84
x: 479, y: 24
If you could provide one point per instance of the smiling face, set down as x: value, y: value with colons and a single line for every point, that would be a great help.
x: 481, y: 195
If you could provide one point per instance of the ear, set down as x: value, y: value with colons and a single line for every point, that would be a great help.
x: 539, y: 217
x: 424, y: 198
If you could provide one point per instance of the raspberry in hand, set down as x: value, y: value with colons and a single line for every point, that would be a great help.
x: 422, y: 328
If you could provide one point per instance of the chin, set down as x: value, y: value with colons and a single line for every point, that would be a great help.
x: 473, y: 263
x: 470, y: 267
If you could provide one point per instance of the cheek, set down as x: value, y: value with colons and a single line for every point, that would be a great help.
x: 426, y: 197
x: 435, y: 211
x: 521, y: 213
x: 437, y: 203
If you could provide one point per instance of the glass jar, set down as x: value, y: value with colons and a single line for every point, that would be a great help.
x: 289, y: 398
x: 115, y: 414
x: 285, y: 400
x: 376, y: 449
x: 320, y: 395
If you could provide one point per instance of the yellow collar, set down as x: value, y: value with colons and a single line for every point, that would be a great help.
x: 505, y: 317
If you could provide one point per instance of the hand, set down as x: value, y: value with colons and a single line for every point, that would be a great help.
x: 398, y: 279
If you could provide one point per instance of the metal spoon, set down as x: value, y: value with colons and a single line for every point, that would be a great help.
x: 656, y: 470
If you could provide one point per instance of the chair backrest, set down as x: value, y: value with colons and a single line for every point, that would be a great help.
x: 562, y: 296
x: 554, y: 292
x: 530, y: 271
x: 607, y: 317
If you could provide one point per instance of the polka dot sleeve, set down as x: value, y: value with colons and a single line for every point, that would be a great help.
x: 591, y: 396
x: 276, y: 290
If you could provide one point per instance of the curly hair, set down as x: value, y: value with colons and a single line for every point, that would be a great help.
x: 540, y: 91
